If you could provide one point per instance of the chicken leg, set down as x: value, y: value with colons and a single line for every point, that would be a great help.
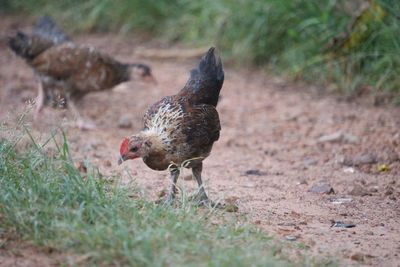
x: 39, y: 101
x: 202, y: 196
x: 172, y: 189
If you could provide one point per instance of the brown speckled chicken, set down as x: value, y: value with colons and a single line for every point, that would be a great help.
x: 76, y: 69
x: 181, y: 129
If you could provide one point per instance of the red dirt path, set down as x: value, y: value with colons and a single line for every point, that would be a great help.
x: 268, y: 125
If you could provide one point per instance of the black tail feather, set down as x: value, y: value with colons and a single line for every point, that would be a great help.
x: 46, y: 28
x: 211, y: 66
x: 206, y: 81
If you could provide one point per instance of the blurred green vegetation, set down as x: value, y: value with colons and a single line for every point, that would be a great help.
x: 349, y: 45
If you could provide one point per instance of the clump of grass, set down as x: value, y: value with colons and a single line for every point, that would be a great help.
x: 287, y: 36
x: 47, y: 200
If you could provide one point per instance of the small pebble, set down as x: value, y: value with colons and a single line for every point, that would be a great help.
x: 310, y: 162
x: 357, y: 257
x: 359, y: 160
x: 249, y: 185
x: 255, y: 172
x: 290, y: 238
x: 364, y: 159
x: 349, y: 170
x: 339, y: 137
x: 359, y: 190
x: 302, y: 181
x: 322, y: 188
x: 343, y: 225
x: 373, y: 189
x: 342, y: 200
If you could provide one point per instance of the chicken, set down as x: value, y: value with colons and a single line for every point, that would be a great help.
x: 76, y: 69
x: 180, y: 130
x: 47, y: 29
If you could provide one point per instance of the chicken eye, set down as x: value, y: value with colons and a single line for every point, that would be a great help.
x: 134, y: 149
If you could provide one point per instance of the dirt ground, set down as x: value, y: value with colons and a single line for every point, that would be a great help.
x: 23, y: 254
x: 278, y: 141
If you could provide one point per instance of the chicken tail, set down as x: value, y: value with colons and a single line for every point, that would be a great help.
x: 28, y: 47
x: 46, y: 28
x: 205, y: 82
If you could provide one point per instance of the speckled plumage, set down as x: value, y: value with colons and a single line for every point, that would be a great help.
x: 79, y: 69
x: 68, y: 71
x: 184, y: 130
x: 182, y: 127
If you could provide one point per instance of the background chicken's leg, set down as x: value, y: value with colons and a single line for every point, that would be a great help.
x: 39, y: 101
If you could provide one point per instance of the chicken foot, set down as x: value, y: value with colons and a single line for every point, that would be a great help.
x: 202, y: 196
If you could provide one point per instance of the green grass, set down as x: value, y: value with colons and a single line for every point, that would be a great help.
x: 47, y: 200
x: 288, y: 37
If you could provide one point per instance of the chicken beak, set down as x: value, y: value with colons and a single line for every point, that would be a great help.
x: 120, y: 160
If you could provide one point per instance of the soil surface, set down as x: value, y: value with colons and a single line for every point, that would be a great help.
x: 23, y: 254
x: 293, y: 159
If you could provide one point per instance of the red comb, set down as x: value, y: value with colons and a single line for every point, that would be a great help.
x: 124, y: 146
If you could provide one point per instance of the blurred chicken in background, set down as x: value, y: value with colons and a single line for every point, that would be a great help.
x: 68, y: 71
